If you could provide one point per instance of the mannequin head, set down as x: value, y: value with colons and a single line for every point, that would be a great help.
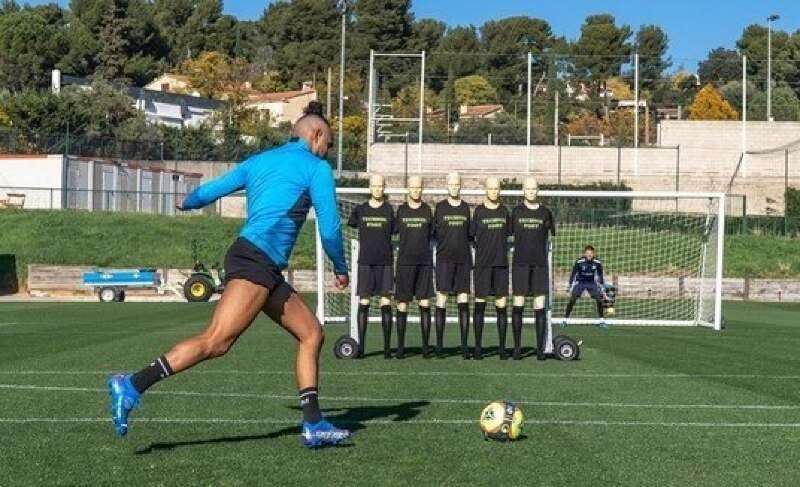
x: 530, y: 189
x: 415, y: 188
x: 454, y: 185
x: 377, y: 186
x: 492, y: 186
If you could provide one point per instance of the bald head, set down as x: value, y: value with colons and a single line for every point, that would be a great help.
x: 315, y: 131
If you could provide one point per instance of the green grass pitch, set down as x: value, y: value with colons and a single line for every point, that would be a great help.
x: 644, y: 406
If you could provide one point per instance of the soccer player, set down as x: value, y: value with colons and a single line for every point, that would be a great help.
x: 491, y: 227
x: 281, y: 184
x: 587, y: 276
x: 414, y: 264
x: 374, y: 220
x: 532, y: 225
x: 453, y: 261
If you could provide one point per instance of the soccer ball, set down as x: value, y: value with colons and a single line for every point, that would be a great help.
x: 501, y: 421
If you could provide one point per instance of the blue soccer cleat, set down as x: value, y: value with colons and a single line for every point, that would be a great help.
x: 323, y: 433
x: 124, y: 399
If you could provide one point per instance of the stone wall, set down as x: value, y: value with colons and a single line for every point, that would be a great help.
x: 692, y: 156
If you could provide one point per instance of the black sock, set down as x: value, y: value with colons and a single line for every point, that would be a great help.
x: 516, y: 329
x: 402, y: 319
x: 309, y: 402
x: 570, y: 304
x: 386, y: 324
x: 441, y: 319
x: 541, y: 332
x: 600, y: 309
x: 463, y: 323
x: 425, y: 326
x: 502, y: 326
x: 479, y: 312
x: 362, y: 319
x: 145, y: 378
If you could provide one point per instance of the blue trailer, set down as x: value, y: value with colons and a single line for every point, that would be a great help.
x: 110, y: 284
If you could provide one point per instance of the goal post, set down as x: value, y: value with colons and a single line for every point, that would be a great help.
x: 663, y: 251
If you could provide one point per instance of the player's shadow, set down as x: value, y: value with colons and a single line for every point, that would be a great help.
x: 355, y: 419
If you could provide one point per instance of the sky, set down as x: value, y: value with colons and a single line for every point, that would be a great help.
x: 694, y: 27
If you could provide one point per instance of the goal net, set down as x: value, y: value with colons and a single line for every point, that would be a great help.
x: 661, y: 251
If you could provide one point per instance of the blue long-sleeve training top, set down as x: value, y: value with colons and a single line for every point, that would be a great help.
x: 586, y: 270
x: 281, y: 184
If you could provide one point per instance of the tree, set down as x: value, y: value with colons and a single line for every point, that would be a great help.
x: 721, y: 66
x: 382, y: 25
x: 709, y: 105
x: 732, y: 92
x: 620, y: 89
x: 507, y: 43
x: 215, y: 75
x: 601, y: 50
x: 113, y: 42
x: 458, y: 56
x: 652, y: 45
x: 753, y: 44
x: 426, y: 34
x: 193, y: 26
x: 302, y: 52
x: 474, y: 90
x: 784, y: 105
x: 29, y: 49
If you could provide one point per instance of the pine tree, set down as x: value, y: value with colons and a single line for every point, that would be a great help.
x: 113, y: 41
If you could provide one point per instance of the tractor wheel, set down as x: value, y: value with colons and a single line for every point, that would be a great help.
x: 108, y: 294
x: 198, y: 289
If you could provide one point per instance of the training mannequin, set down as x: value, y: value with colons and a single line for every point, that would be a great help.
x: 453, y: 260
x: 532, y: 226
x: 414, y: 223
x: 491, y: 227
x: 375, y: 222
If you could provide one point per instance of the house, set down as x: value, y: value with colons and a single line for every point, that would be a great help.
x: 480, y: 112
x: 172, y: 109
x: 172, y: 83
x: 282, y: 106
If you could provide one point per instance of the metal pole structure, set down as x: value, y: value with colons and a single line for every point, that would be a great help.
x: 555, y: 122
x: 370, y: 105
x: 328, y: 112
x: 405, y: 172
x: 786, y: 192
x: 421, y: 111
x: 744, y: 116
x: 528, y: 153
x: 770, y: 20
x: 339, y: 154
x: 636, y: 101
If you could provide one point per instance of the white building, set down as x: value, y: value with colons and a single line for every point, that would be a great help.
x: 282, y: 106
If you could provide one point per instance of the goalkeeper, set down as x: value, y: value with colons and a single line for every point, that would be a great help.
x: 587, y: 276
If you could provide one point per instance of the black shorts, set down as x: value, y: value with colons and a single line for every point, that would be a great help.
x: 413, y: 281
x: 453, y: 278
x: 528, y: 280
x: 374, y: 280
x: 246, y: 261
x: 491, y: 281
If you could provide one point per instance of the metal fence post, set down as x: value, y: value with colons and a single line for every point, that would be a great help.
x: 619, y: 165
x: 786, y: 192
x: 678, y: 168
x: 559, y: 164
x: 744, y: 214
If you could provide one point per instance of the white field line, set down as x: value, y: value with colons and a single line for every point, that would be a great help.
x: 442, y: 373
x: 437, y: 400
x: 528, y: 423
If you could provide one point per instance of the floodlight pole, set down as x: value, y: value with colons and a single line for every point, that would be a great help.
x: 772, y: 18
x: 636, y: 102
x: 528, y: 124
x: 744, y: 116
x: 421, y: 112
x: 370, y: 106
x: 339, y: 154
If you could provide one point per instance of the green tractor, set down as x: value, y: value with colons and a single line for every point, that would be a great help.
x: 203, y: 283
